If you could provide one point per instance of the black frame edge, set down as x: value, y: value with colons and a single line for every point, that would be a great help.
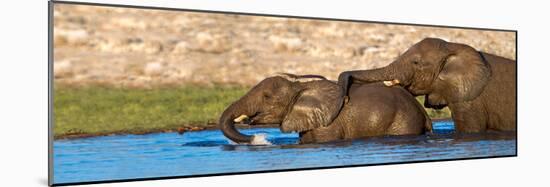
x: 50, y: 93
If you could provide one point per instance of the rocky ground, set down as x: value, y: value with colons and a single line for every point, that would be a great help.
x: 140, y: 48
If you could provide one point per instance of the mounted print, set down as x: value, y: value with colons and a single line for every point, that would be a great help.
x: 143, y: 93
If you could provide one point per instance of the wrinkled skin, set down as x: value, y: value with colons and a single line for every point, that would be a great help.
x: 479, y: 88
x: 309, y: 107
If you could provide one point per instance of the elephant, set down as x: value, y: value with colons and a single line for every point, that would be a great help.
x: 306, y: 104
x: 479, y: 88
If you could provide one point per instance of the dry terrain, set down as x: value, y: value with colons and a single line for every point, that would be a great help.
x: 124, y: 47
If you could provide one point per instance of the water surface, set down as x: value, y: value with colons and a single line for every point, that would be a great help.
x: 209, y: 152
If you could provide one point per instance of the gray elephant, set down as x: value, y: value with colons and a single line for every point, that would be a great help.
x: 479, y: 88
x: 309, y: 105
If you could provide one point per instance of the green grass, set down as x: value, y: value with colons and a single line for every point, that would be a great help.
x: 100, y: 110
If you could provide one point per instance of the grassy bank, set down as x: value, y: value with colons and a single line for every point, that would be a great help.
x: 89, y: 111
x: 97, y: 110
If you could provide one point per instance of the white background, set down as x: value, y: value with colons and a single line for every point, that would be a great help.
x: 23, y: 94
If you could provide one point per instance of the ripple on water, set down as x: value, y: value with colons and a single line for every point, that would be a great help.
x: 207, y: 152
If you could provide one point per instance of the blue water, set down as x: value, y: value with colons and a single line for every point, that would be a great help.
x: 209, y: 152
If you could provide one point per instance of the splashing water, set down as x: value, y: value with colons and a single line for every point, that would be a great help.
x: 260, y: 139
x: 257, y: 139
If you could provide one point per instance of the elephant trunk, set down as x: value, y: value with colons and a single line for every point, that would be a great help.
x: 393, y: 73
x: 227, y: 125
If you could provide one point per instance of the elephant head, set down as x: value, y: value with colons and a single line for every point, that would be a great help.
x: 294, y: 102
x: 444, y: 72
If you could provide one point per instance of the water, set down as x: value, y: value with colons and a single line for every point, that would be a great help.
x: 209, y: 152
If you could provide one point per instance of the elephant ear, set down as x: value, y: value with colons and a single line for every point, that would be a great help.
x: 464, y: 74
x: 314, y: 107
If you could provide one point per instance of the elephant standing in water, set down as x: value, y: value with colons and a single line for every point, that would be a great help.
x: 479, y: 88
x: 310, y: 107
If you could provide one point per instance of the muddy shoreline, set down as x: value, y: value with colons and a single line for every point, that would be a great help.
x: 180, y: 130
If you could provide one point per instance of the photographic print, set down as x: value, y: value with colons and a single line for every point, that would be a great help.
x: 150, y: 93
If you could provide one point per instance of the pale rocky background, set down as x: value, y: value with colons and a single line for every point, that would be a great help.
x: 141, y: 48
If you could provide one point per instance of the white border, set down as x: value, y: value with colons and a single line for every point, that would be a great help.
x: 23, y: 106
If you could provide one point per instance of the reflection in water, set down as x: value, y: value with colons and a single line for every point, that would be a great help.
x: 208, y: 152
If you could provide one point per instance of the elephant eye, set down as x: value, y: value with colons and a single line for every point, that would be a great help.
x: 416, y: 62
x: 266, y: 96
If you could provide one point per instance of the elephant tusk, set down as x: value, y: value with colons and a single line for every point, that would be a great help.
x: 392, y: 82
x: 240, y: 118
